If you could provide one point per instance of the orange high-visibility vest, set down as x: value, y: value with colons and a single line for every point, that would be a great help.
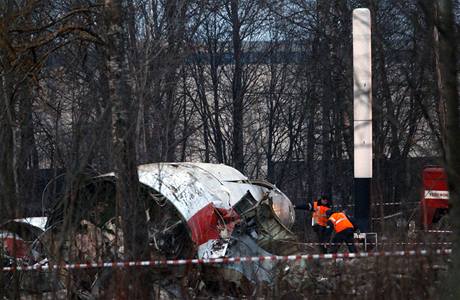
x: 321, y: 215
x: 340, y: 221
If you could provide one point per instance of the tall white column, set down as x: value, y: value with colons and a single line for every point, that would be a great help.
x: 362, y: 106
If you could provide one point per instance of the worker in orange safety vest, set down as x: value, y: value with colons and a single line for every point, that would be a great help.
x: 319, y: 218
x: 343, y: 227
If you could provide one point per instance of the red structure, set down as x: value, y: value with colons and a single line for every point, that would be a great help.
x: 13, y: 245
x: 434, y: 203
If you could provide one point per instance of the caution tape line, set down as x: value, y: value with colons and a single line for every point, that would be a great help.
x: 227, y: 260
x: 437, y: 231
x: 382, y: 243
x: 396, y: 203
x: 380, y: 204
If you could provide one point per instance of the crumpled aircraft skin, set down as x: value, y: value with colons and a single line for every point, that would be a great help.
x: 193, y: 210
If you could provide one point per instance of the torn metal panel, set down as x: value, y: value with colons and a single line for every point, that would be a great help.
x: 192, y: 210
x: 88, y: 243
x: 210, y: 197
x: 239, y: 189
x: 212, y: 223
x: 242, y: 273
x: 20, y: 244
x: 16, y: 236
x: 13, y: 246
x: 272, y: 235
x: 28, y: 229
x: 180, y: 184
x: 213, y: 249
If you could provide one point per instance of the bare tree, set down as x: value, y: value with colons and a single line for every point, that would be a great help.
x: 445, y: 38
x: 130, y: 205
x: 237, y: 91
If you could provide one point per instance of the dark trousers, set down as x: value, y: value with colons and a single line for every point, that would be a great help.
x: 323, y: 236
x: 343, y: 236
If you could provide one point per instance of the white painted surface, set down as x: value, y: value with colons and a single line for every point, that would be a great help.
x: 178, y: 183
x: 363, y: 149
x: 192, y: 186
x: 213, y: 249
x: 221, y: 171
x: 434, y: 194
x: 362, y: 93
x: 39, y: 222
x: 238, y: 190
x: 9, y: 235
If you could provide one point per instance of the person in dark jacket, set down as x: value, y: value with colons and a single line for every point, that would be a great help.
x: 343, y: 227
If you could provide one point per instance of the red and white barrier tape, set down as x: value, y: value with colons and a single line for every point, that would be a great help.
x: 438, y: 231
x: 395, y: 203
x: 227, y: 260
x: 380, y: 204
x: 380, y: 243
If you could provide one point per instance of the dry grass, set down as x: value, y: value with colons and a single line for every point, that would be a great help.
x: 408, y: 277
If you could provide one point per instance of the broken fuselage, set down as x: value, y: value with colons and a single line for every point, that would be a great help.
x: 192, y: 210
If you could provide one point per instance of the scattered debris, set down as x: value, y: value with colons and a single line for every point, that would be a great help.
x: 192, y: 210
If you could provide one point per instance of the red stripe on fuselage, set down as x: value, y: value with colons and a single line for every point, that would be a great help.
x: 207, y: 223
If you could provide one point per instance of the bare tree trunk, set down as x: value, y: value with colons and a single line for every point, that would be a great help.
x: 326, y: 96
x: 237, y: 91
x: 8, y: 178
x: 175, y: 15
x: 28, y: 156
x: 214, y: 65
x: 8, y: 168
x: 130, y: 205
x: 446, y: 61
x: 206, y: 114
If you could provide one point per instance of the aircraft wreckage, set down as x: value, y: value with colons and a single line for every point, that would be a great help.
x: 193, y: 210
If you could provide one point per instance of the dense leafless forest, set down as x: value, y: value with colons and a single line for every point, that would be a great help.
x: 90, y: 87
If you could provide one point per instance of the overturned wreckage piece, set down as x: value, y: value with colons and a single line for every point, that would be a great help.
x: 18, y: 235
x: 20, y: 246
x: 193, y: 210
